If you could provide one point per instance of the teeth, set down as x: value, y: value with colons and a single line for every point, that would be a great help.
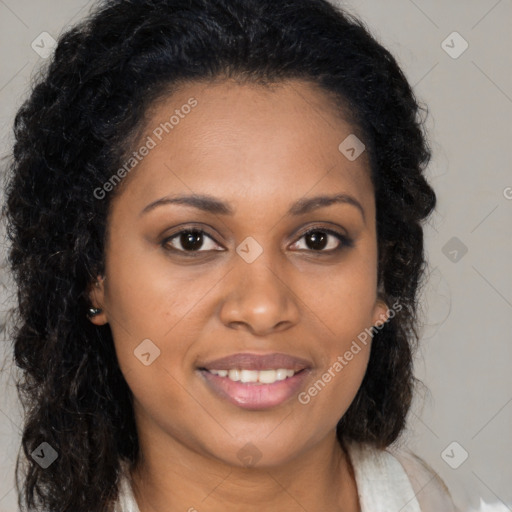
x: 261, y: 377
x: 281, y: 374
x: 267, y: 376
x: 249, y: 376
x: 234, y: 375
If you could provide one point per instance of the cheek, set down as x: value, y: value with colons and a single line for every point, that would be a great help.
x: 343, y: 300
x: 343, y: 306
x: 156, y: 316
x: 332, y: 389
x: 148, y: 294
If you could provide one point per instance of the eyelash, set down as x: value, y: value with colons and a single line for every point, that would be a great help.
x: 345, y: 241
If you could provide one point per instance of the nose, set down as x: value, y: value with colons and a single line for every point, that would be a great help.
x: 259, y: 298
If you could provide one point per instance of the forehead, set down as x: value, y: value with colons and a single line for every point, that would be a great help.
x: 249, y: 141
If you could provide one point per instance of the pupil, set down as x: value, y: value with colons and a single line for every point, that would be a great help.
x: 318, y: 239
x: 191, y: 240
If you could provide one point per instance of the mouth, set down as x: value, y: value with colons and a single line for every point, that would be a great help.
x: 258, y: 377
x: 255, y: 382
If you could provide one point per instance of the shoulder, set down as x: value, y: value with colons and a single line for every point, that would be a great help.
x: 126, y: 500
x: 430, y: 490
x: 398, y: 478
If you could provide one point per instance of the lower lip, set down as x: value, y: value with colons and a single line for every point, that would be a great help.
x: 255, y: 396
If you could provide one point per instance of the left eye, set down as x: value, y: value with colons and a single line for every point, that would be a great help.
x: 318, y: 240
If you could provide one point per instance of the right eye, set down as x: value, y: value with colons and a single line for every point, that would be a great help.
x: 188, y: 241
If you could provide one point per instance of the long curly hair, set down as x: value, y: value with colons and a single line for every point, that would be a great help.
x: 80, y: 120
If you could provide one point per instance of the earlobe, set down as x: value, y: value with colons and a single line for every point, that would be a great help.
x: 96, y: 313
x: 381, y: 313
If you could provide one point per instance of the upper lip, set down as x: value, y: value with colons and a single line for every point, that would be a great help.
x: 250, y: 361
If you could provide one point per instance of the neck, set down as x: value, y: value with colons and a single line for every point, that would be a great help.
x: 168, y: 480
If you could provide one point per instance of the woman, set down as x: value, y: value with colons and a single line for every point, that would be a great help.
x: 215, y: 211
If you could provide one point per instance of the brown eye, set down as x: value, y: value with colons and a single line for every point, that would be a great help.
x: 316, y: 240
x: 190, y: 240
x: 321, y: 240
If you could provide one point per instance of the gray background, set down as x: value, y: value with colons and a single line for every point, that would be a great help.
x: 466, y: 347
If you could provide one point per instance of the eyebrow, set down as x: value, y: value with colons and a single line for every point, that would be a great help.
x: 213, y: 205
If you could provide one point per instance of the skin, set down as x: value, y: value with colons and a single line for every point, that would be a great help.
x: 259, y: 149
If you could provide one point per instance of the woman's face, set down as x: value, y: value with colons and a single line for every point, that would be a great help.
x: 250, y: 283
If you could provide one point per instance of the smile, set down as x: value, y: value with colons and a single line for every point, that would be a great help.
x: 261, y: 377
x: 255, y: 381
x: 255, y: 390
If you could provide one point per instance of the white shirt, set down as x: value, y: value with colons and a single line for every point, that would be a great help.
x: 387, y: 481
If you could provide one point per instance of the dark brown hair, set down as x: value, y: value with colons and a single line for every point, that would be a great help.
x: 70, y: 136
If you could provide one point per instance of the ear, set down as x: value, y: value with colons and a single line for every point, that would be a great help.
x: 96, y: 292
x: 380, y: 313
